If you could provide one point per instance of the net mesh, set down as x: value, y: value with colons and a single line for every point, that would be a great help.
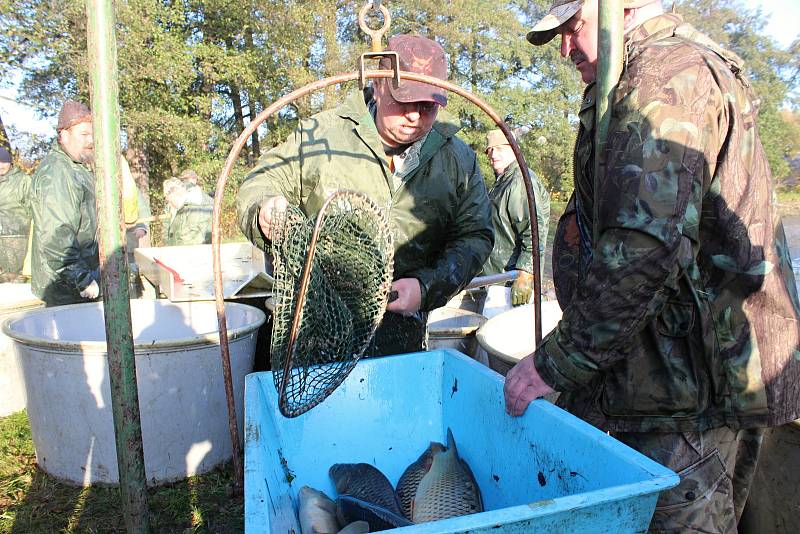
x: 348, y: 288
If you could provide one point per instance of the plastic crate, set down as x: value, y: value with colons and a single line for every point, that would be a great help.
x: 547, y: 471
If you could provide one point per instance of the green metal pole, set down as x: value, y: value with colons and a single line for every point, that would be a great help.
x: 609, y: 66
x: 102, y: 45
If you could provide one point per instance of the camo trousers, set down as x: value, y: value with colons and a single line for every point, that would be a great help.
x: 716, y: 469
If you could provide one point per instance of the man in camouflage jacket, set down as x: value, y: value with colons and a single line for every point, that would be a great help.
x: 680, y: 327
x: 392, y: 144
x: 65, y: 264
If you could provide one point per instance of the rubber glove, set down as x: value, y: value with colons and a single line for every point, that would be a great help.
x: 91, y: 292
x: 522, y: 288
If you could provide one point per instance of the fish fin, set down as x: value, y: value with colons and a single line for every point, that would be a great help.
x: 451, y: 442
x: 356, y: 527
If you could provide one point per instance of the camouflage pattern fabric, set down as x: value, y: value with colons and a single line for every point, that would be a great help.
x: 512, y: 221
x: 716, y: 468
x: 680, y: 308
x: 438, y: 209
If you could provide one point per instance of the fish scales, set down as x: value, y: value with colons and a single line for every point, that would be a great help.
x: 412, y: 476
x: 448, y: 490
x: 367, y: 483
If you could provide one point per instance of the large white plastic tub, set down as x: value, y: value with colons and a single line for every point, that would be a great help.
x: 509, y: 336
x: 14, y: 298
x: 62, y: 354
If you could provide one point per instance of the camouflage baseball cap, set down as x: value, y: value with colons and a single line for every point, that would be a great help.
x: 560, y: 12
x: 421, y: 55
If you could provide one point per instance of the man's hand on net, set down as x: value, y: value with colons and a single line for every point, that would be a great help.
x: 92, y: 291
x: 523, y: 384
x: 270, y: 208
x: 409, y: 296
x: 522, y: 288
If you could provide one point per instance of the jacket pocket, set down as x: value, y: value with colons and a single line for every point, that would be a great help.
x: 665, y: 374
x: 701, y: 502
x: 676, y: 319
x: 698, y: 481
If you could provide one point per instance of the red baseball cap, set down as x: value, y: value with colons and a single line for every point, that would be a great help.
x: 423, y: 56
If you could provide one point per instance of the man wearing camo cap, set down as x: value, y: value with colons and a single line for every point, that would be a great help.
x: 65, y: 264
x: 680, y: 326
x: 396, y: 146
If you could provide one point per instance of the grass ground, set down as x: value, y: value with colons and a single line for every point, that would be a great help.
x: 31, y: 502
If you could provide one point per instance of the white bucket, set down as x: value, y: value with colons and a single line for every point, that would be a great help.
x: 14, y: 298
x: 509, y: 336
x: 62, y: 354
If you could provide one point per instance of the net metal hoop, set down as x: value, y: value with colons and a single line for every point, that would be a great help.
x: 236, y: 149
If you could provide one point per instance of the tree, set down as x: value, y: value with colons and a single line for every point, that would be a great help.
x: 772, y: 70
x: 193, y: 73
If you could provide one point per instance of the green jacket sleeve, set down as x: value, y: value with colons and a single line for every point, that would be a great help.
x: 663, y: 138
x: 15, y: 211
x: 277, y: 173
x: 519, y: 217
x: 468, y: 245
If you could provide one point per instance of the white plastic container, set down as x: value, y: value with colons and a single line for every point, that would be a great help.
x: 509, y: 336
x: 14, y: 298
x: 62, y: 355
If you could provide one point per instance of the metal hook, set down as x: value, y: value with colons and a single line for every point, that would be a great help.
x: 376, y: 6
x: 376, y: 35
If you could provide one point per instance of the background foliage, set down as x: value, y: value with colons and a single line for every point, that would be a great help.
x: 193, y: 73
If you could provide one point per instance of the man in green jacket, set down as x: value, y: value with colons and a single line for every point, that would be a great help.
x: 394, y: 145
x: 15, y: 214
x: 191, y: 211
x: 512, y: 224
x: 680, y: 328
x: 65, y: 266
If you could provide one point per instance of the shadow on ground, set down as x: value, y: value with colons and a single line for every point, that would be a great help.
x: 33, y: 502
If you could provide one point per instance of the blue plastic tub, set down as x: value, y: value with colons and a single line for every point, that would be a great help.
x: 544, y: 472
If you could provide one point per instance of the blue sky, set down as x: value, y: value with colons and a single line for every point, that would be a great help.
x: 784, y: 24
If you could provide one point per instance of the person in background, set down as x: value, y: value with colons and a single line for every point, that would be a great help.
x: 15, y: 216
x: 394, y: 145
x: 136, y: 211
x: 512, y: 226
x: 191, y: 213
x: 65, y: 266
x: 680, y: 328
x: 190, y: 179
